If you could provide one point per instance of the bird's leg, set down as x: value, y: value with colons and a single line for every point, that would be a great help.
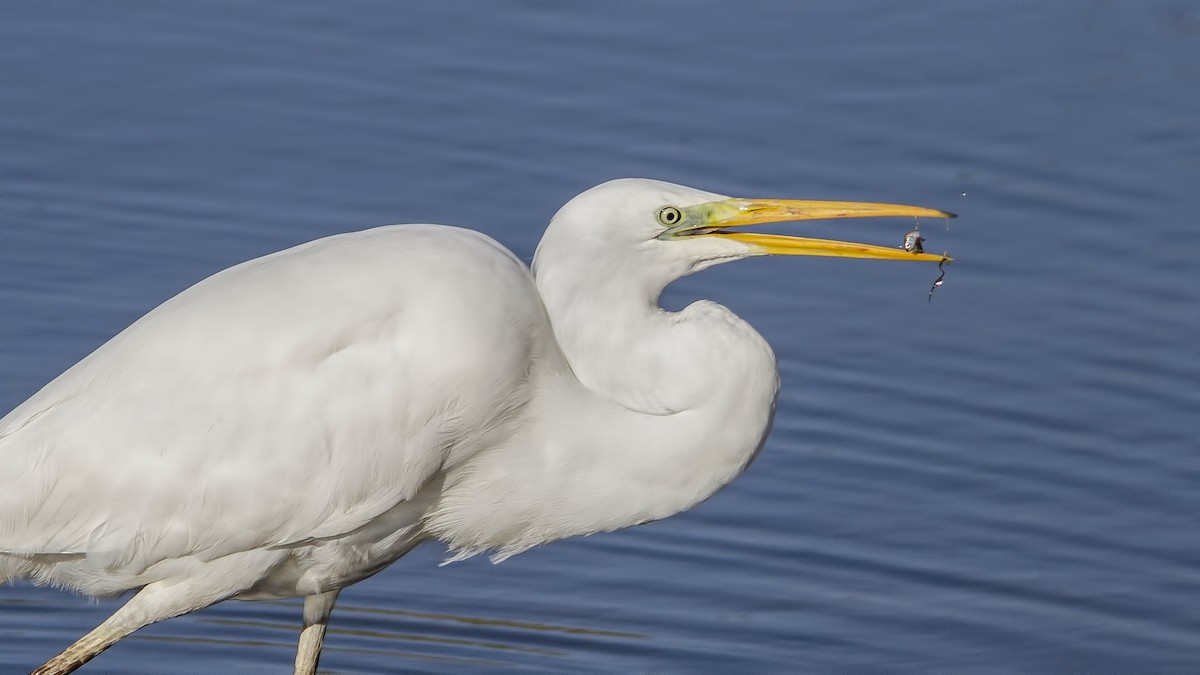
x: 316, y: 619
x: 153, y: 603
x: 220, y: 579
x: 87, y: 647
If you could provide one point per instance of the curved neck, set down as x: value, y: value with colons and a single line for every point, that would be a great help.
x: 620, y: 344
x: 657, y: 412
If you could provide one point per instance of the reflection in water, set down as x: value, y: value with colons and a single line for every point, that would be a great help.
x: 388, y: 635
x: 517, y: 632
x: 504, y: 623
x: 390, y: 655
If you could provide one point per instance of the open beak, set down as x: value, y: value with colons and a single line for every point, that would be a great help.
x: 714, y: 218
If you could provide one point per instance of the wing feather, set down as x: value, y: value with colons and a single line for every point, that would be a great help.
x: 292, y: 397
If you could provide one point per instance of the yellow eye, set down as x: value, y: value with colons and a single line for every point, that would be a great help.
x: 670, y: 216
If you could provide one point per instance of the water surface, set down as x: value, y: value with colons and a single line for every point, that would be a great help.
x: 1001, y: 479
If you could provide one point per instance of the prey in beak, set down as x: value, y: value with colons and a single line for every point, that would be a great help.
x: 716, y: 219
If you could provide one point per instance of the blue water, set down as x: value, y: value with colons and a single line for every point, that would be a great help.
x: 1002, y: 479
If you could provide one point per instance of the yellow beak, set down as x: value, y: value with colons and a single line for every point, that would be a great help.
x: 712, y: 219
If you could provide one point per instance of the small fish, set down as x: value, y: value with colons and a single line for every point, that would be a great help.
x: 914, y: 242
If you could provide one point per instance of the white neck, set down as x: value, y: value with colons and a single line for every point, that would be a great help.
x: 663, y: 410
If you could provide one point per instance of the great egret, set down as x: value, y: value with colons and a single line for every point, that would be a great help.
x: 296, y: 423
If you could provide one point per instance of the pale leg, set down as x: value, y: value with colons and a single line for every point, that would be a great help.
x: 316, y: 618
x: 218, y: 580
x: 153, y: 603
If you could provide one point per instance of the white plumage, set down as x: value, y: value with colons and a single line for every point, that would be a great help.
x: 293, y: 424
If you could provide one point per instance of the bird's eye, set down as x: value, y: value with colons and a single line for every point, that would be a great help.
x: 669, y: 215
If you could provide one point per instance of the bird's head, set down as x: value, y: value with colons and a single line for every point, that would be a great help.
x: 666, y: 231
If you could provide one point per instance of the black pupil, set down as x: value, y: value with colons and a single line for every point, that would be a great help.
x: 670, y: 215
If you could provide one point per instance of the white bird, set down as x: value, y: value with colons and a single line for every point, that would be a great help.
x: 294, y: 424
